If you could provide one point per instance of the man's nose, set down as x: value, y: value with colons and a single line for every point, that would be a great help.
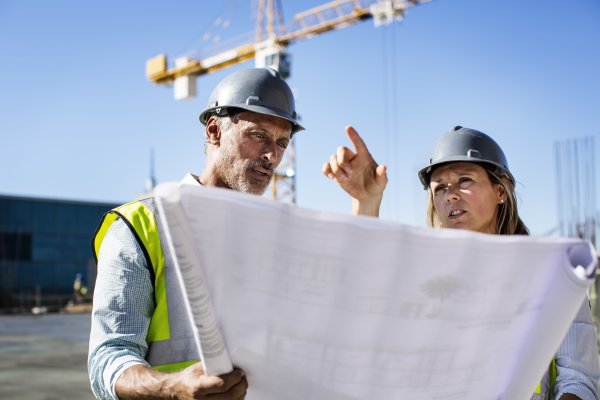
x: 271, y: 153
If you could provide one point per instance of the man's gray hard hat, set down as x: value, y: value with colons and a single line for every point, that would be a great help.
x: 260, y: 90
x: 466, y: 145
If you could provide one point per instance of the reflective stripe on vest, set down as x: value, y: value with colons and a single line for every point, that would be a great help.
x: 171, y: 345
x: 545, y: 389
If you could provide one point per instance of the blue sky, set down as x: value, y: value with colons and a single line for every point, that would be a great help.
x: 79, y: 118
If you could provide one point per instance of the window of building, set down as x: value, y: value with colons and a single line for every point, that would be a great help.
x: 15, y: 246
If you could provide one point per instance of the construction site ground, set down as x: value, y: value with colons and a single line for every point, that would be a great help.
x: 44, y: 356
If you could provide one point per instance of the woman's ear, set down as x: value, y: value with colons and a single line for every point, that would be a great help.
x: 501, y: 193
x: 212, y: 133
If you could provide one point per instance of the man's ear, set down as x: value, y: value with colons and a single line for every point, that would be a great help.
x: 212, y: 133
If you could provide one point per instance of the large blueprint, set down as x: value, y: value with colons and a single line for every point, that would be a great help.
x: 317, y: 305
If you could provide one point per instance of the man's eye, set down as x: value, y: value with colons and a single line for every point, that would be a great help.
x: 283, y: 145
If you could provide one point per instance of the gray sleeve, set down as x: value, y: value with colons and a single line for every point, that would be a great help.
x: 578, y: 368
x: 123, y: 307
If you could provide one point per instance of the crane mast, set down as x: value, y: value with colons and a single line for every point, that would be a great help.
x: 269, y: 50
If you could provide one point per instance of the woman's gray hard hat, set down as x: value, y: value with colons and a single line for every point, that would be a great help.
x: 466, y: 145
x: 260, y: 90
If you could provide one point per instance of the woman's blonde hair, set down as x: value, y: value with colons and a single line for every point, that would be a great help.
x: 509, y: 222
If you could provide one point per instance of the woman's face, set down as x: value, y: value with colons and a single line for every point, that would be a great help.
x: 465, y: 198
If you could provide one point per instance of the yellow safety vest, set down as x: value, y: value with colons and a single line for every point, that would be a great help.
x: 171, y: 345
x: 545, y: 389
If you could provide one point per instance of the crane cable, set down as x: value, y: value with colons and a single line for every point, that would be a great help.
x: 390, y: 117
x: 207, y: 31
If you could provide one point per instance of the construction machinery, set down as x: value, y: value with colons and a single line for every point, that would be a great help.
x: 269, y: 49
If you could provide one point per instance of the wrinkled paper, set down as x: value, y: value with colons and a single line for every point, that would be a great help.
x: 316, y: 305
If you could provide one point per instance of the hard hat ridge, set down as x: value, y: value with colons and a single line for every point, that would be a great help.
x: 260, y: 90
x: 466, y: 145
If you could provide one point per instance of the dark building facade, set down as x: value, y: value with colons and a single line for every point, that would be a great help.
x: 44, y: 244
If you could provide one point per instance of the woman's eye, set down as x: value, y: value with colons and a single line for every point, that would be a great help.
x: 438, y: 188
x: 464, y: 181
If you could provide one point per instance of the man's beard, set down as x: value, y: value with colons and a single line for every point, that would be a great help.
x: 235, y: 175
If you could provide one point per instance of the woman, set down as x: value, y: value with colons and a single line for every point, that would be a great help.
x: 471, y: 187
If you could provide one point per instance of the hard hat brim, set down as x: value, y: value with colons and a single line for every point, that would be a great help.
x: 425, y: 173
x: 206, y: 114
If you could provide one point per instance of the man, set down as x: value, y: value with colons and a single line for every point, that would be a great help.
x: 141, y: 345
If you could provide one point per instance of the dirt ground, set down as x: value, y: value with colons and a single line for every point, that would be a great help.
x: 43, y: 357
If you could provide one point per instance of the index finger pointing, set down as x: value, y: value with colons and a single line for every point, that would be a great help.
x: 359, y: 144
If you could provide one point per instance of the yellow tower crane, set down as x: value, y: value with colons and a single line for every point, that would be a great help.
x: 269, y: 50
